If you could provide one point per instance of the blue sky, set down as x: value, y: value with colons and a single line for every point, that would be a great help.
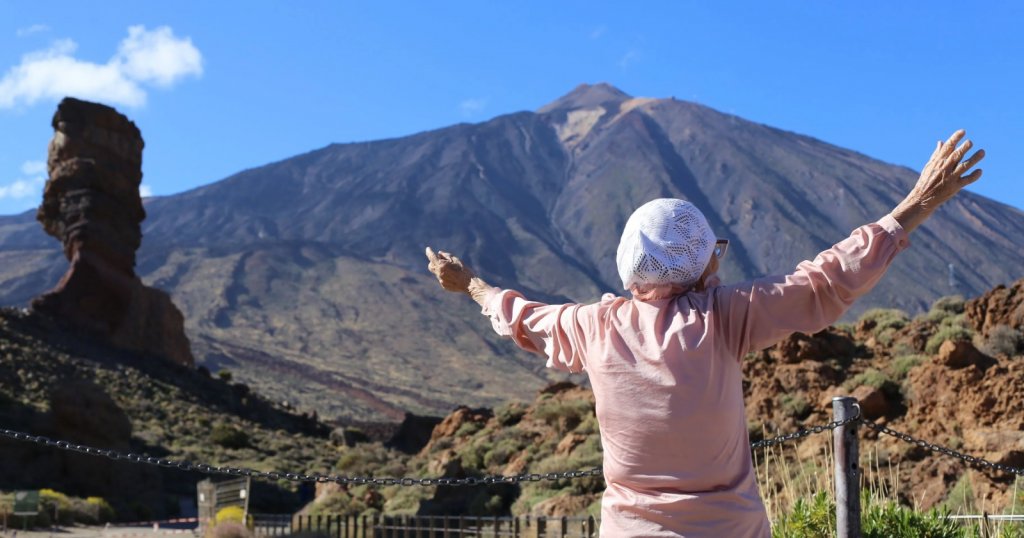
x: 219, y: 87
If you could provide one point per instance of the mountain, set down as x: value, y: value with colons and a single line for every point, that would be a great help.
x: 306, y: 277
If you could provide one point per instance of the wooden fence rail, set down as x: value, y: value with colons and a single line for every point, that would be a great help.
x: 409, y: 526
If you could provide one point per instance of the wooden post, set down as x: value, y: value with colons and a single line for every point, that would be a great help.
x: 847, y: 468
x: 565, y: 527
x: 542, y: 526
x: 444, y: 523
x: 591, y: 526
x: 515, y: 527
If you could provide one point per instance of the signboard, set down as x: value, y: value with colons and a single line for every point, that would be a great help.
x: 26, y: 503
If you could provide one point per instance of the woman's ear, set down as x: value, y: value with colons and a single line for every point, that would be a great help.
x: 708, y: 278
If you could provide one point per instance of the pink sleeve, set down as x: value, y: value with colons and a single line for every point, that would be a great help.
x: 756, y: 314
x: 554, y: 331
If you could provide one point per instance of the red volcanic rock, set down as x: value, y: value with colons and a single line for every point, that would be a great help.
x: 91, y: 203
x: 1000, y: 306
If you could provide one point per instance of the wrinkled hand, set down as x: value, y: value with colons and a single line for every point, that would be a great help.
x: 946, y: 172
x: 450, y: 271
x: 942, y: 177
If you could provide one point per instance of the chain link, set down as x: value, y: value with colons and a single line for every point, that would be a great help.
x: 472, y: 481
x: 932, y: 447
x: 800, y: 434
x: 296, y: 477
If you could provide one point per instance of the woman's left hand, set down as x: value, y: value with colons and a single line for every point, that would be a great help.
x: 450, y: 271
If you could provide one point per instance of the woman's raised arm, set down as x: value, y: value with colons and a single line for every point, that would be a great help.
x: 756, y: 314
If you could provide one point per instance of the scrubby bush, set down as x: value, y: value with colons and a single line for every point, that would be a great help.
x: 795, y: 406
x: 890, y: 520
x: 813, y: 517
x: 102, y: 509
x: 946, y: 307
x: 1003, y: 340
x: 564, y: 415
x: 948, y: 332
x: 885, y: 319
x: 901, y: 366
x: 510, y: 414
x: 879, y: 519
x: 233, y: 514
x: 500, y: 453
x: 228, y: 436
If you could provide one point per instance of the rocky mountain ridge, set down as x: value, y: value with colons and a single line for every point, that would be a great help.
x: 312, y: 267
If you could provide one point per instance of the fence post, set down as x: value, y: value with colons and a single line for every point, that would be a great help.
x: 847, y: 468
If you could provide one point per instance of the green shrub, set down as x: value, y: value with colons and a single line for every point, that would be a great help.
x: 949, y: 332
x: 795, y: 406
x: 814, y: 517
x: 885, y: 318
x: 901, y: 366
x: 468, y: 428
x: 1003, y: 340
x: 103, y: 511
x: 890, y: 520
x: 500, y: 453
x: 510, y: 414
x: 870, y: 377
x: 564, y: 415
x: 950, y: 304
x: 228, y: 436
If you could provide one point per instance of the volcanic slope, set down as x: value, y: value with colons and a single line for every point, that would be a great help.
x: 312, y: 268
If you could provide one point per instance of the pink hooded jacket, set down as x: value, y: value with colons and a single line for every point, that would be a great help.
x: 667, y: 379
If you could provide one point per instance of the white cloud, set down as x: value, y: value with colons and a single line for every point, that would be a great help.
x: 31, y: 168
x: 22, y: 188
x: 155, y: 57
x: 158, y: 56
x: 472, y: 107
x: 596, y: 33
x: 145, y: 191
x: 31, y: 184
x: 29, y: 30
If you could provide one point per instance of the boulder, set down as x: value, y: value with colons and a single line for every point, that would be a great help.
x: 958, y: 354
x: 872, y: 401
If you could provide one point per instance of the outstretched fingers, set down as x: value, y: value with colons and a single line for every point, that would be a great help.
x: 958, y: 153
x: 964, y: 166
x: 974, y: 176
x: 950, y: 144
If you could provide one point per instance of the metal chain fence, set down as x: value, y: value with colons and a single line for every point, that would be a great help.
x: 474, y: 481
x: 932, y: 447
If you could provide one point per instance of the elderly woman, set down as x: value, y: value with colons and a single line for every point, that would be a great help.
x: 665, y: 365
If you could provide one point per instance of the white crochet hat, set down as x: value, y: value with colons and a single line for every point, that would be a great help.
x: 666, y: 241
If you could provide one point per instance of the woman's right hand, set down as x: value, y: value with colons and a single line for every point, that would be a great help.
x: 942, y: 177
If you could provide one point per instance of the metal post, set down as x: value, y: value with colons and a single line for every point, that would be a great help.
x: 847, y: 468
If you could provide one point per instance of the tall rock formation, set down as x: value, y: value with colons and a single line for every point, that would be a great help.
x: 91, y: 203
